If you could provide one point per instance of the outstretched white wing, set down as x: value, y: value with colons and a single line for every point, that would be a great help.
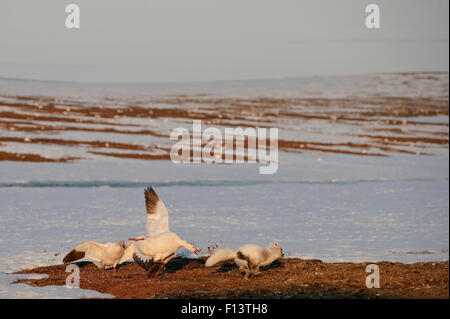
x: 157, y: 215
x: 89, y: 249
x: 157, y: 221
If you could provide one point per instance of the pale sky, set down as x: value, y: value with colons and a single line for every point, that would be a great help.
x: 202, y: 40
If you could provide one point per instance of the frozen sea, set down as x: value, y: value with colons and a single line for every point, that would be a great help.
x: 331, y: 207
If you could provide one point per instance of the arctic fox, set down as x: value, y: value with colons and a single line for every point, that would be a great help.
x: 249, y: 257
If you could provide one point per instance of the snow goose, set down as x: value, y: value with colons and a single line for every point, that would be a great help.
x: 157, y: 220
x: 103, y: 255
x: 154, y: 252
x: 159, y: 245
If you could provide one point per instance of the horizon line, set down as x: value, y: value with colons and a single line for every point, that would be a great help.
x: 216, y: 81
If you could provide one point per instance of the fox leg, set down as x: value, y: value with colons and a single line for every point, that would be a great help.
x: 255, y: 270
x: 244, y: 268
x: 251, y: 269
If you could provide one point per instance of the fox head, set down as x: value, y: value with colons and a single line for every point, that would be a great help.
x: 276, y: 248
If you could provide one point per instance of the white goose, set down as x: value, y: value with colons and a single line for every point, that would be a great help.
x: 160, y: 245
x: 154, y: 252
x: 103, y: 255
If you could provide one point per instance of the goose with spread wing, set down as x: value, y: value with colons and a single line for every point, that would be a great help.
x: 157, y: 221
x: 103, y: 255
x: 153, y: 251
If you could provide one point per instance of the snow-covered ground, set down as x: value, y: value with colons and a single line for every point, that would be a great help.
x: 25, y: 291
x: 332, y: 207
x: 318, y: 205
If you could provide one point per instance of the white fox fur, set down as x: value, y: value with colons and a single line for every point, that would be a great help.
x: 249, y: 257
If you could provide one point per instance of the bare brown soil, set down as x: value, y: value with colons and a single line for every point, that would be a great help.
x: 37, y: 128
x: 288, y: 278
x: 134, y: 155
x: 19, y: 157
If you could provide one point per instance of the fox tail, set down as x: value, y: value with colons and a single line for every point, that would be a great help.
x: 220, y: 255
